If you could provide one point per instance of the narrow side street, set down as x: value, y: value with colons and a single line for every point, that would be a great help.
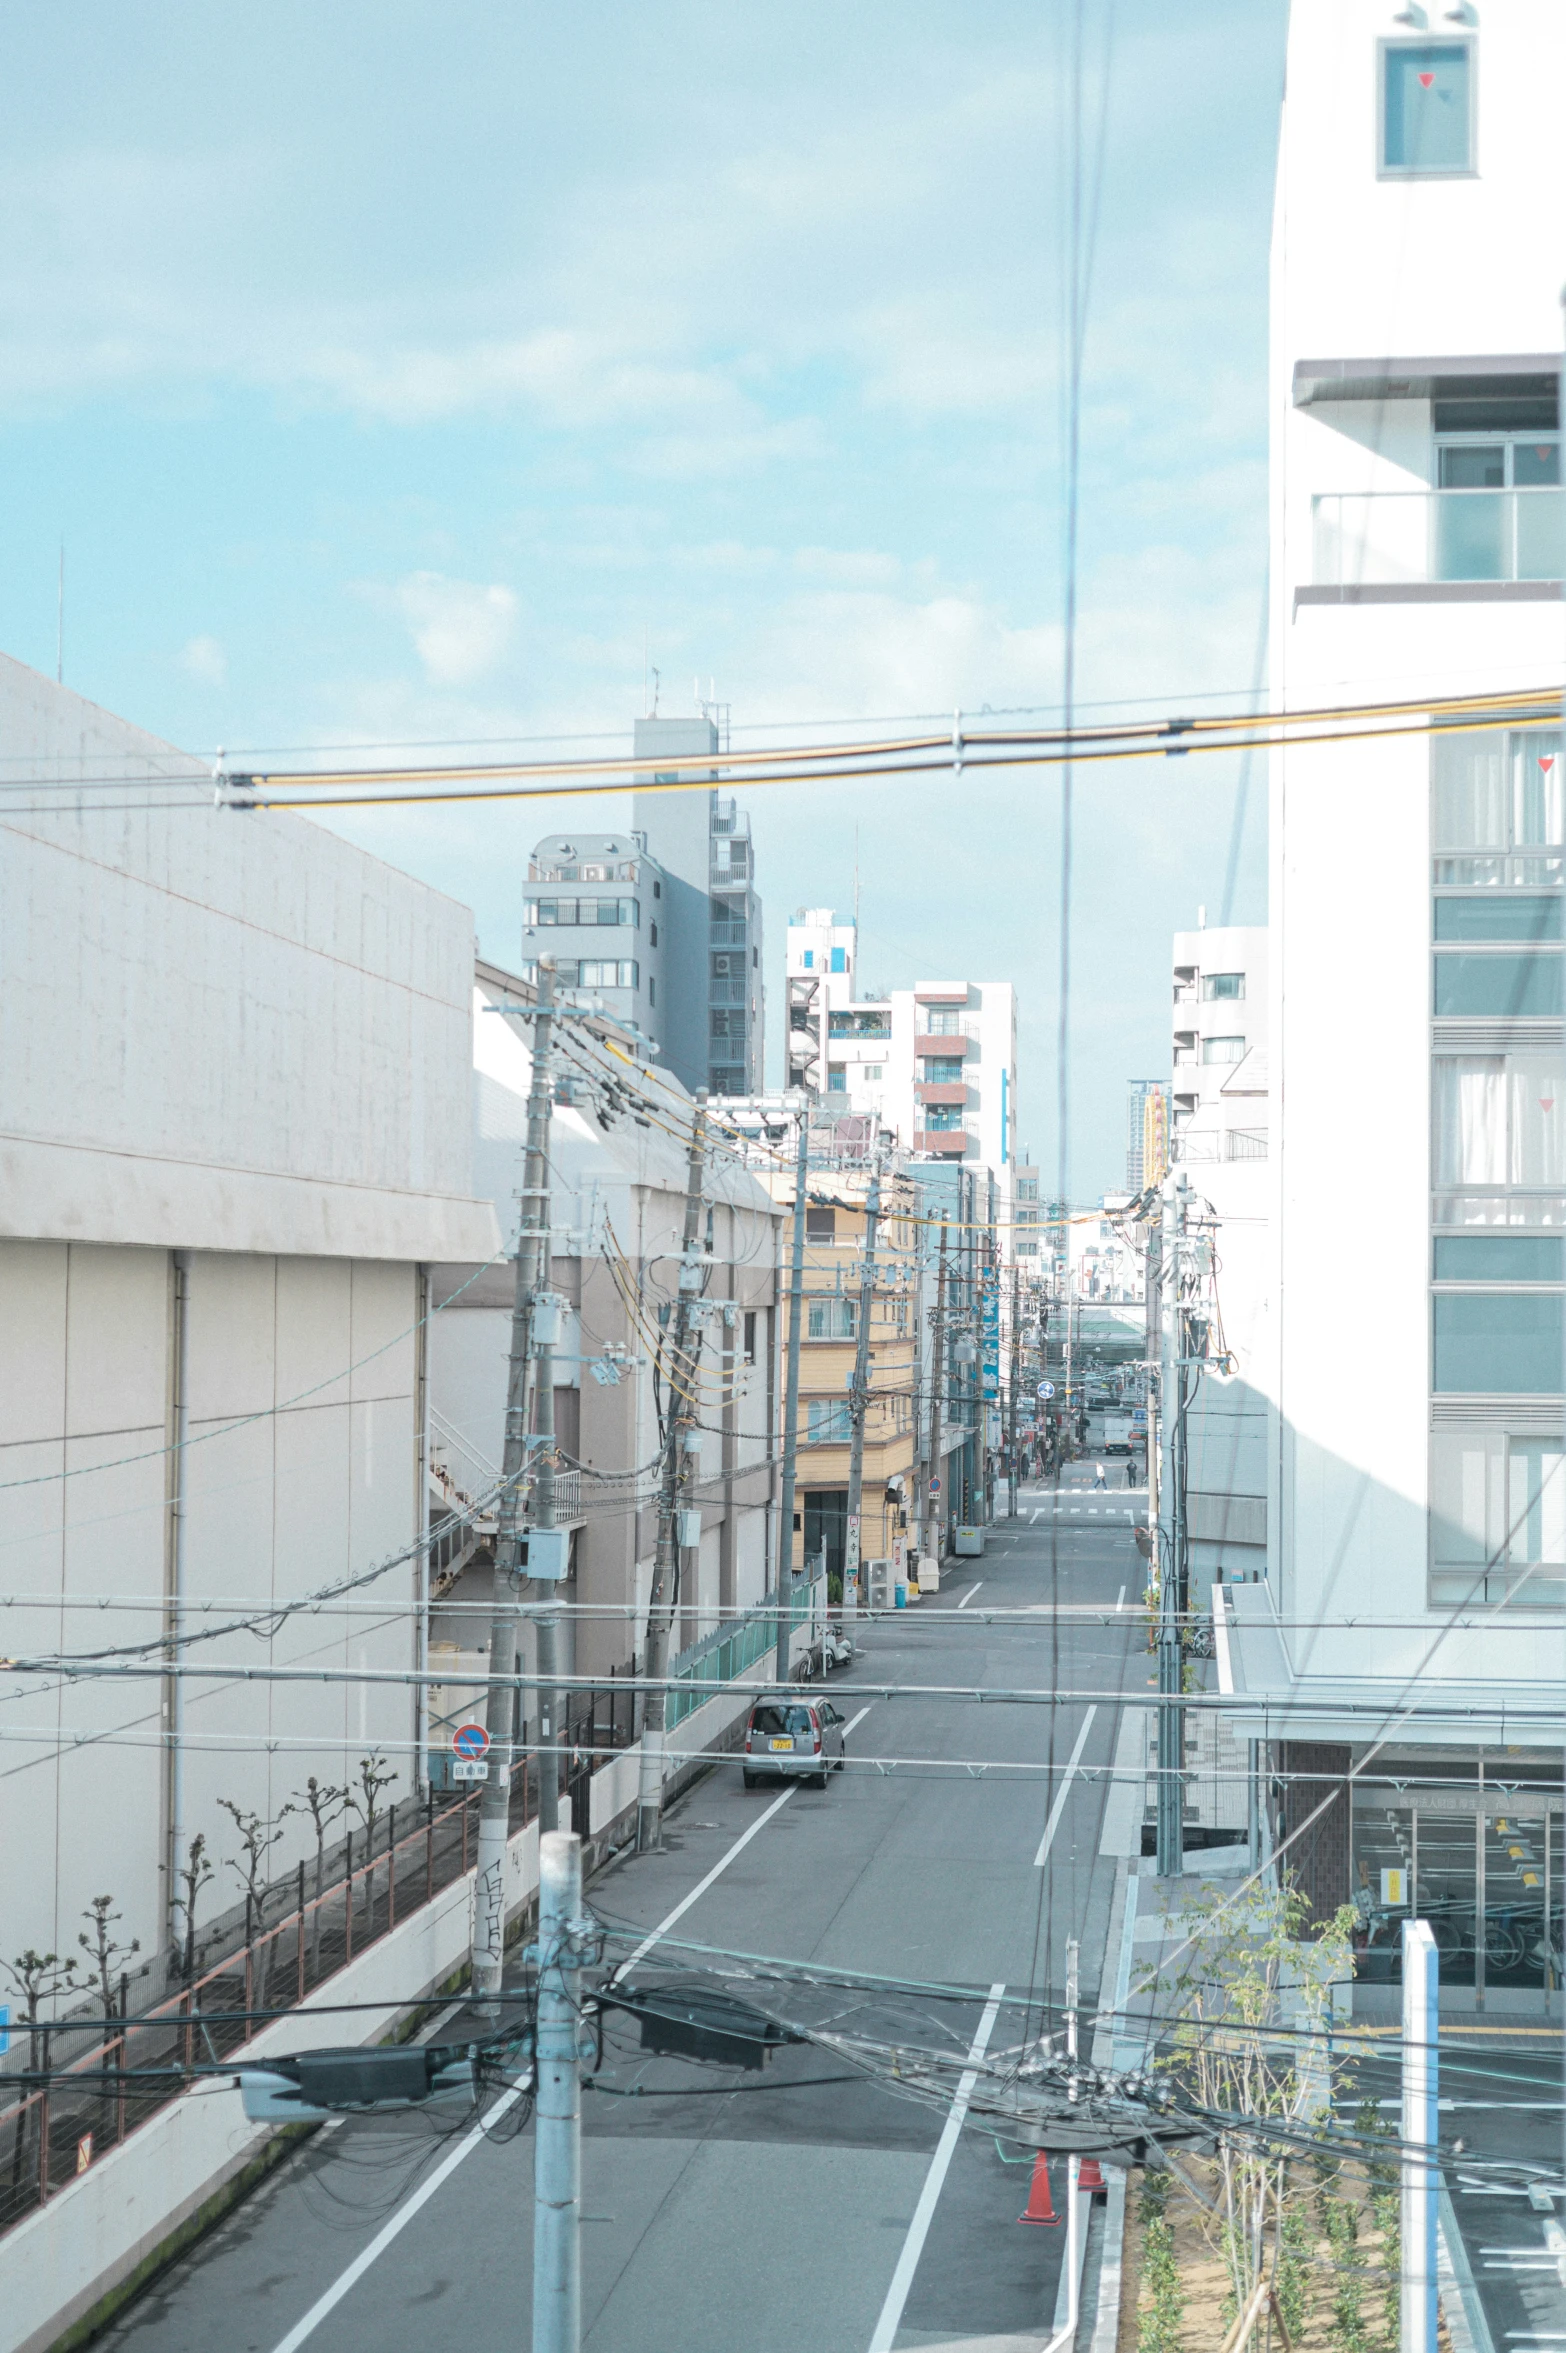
x: 793, y: 2208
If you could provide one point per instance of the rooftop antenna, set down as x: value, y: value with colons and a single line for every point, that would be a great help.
x: 59, y: 624
x: 653, y: 713
x: 856, y: 889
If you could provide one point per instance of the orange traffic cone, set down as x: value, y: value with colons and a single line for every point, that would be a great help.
x: 1039, y: 2207
x: 1090, y: 2175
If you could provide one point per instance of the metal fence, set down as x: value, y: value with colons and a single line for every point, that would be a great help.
x: 106, y: 2078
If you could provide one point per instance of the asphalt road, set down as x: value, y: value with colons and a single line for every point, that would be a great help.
x: 726, y: 2210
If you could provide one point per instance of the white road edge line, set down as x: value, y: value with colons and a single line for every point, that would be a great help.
x: 923, y: 2214
x: 383, y: 2238
x: 968, y: 1596
x: 1064, y: 1791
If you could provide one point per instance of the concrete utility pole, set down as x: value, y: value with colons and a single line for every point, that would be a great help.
x: 938, y: 1386
x: 1011, y: 1399
x: 546, y: 1624
x: 796, y: 1297
x: 680, y: 1417
x: 557, y: 2113
x: 532, y: 1270
x: 1419, y: 2305
x: 1171, y: 1530
x: 859, y: 1403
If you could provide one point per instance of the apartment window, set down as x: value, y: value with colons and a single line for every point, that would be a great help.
x: 1219, y: 985
x: 837, y: 1079
x: 820, y: 1222
x: 755, y: 959
x: 652, y: 990
x: 610, y: 973
x: 1223, y: 1049
x: 652, y: 935
x: 749, y: 1346
x: 1498, y: 986
x: 942, y: 1073
x: 1497, y: 1343
x: 1027, y: 1188
x: 810, y: 959
x: 1027, y: 1249
x: 829, y: 1422
x: 938, y: 1116
x: 942, y: 1021
x: 1498, y: 1119
x: 728, y: 1024
x: 1498, y: 793
x: 1499, y: 915
x: 657, y: 889
x: 1497, y: 1516
x: 832, y: 1318
x: 874, y: 1072
x: 1427, y: 129
x: 1499, y: 1258
x: 839, y: 960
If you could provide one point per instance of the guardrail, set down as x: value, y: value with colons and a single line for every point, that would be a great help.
x: 1380, y: 537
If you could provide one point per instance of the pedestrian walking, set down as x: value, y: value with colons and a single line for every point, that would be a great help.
x: 1099, y: 1477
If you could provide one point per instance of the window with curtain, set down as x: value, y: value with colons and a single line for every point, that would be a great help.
x: 830, y: 1422
x: 832, y: 1318
x: 1497, y: 1516
x: 1497, y: 791
x: 1498, y: 1120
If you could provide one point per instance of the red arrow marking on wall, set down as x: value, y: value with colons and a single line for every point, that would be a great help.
x: 1425, y: 81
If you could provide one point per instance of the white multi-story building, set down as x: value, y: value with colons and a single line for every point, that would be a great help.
x: 936, y: 1064
x: 1417, y: 1119
x: 235, y: 1136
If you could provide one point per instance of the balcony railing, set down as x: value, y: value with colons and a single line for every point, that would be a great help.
x: 1230, y: 1143
x: 1379, y: 538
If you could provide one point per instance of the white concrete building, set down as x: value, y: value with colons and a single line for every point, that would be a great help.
x: 936, y: 1064
x: 235, y: 1132
x: 1416, y: 985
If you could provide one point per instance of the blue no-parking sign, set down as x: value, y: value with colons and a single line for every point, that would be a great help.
x: 470, y: 1741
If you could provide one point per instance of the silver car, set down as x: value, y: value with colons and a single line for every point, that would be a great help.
x: 793, y: 1740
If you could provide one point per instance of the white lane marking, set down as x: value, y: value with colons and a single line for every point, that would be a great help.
x: 968, y: 1596
x: 399, y: 2221
x: 1120, y: 1599
x: 1038, y: 1515
x: 1061, y: 1794
x: 919, y: 2228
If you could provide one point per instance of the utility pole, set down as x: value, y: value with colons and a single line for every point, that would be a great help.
x: 1011, y: 1402
x: 859, y: 1405
x: 532, y: 1267
x: 546, y: 1623
x: 1419, y: 2134
x: 796, y: 1297
x: 557, y: 2111
x: 679, y: 1418
x: 938, y: 1386
x: 1171, y: 1529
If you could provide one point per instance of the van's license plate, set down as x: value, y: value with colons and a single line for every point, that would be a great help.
x: 780, y: 1744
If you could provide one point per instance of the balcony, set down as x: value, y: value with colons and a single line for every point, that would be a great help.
x: 952, y: 1143
x: 1397, y: 537
x: 1221, y: 1144
x: 942, y: 1049
x: 942, y: 1092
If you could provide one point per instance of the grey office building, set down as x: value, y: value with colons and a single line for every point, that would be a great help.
x: 712, y: 1004
x: 596, y: 903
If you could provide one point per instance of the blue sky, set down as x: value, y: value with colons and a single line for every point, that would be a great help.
x: 403, y: 373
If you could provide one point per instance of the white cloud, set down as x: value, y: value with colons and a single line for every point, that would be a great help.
x: 204, y: 658
x: 459, y: 629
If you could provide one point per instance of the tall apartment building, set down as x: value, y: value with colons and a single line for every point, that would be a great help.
x: 936, y: 1064
x: 1147, y: 1132
x: 713, y: 1019
x: 1415, y: 1352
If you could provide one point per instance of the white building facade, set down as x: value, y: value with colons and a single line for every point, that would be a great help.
x: 1416, y: 1114
x: 234, y: 1135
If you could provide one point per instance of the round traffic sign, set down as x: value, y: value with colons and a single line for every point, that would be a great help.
x: 470, y: 1741
x: 935, y: 1486
x: 1046, y: 1388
